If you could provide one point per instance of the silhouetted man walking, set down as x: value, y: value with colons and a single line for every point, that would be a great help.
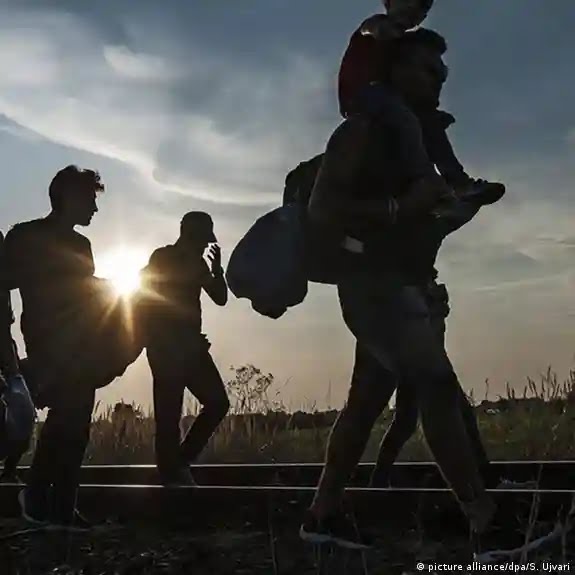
x: 52, y: 266
x: 365, y: 202
x: 178, y: 351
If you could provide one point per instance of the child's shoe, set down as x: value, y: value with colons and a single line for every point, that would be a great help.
x: 481, y: 192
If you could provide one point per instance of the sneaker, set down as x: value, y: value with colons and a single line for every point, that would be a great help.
x: 510, y: 485
x: 34, y: 506
x: 482, y: 192
x: 181, y: 478
x: 488, y: 548
x: 338, y: 529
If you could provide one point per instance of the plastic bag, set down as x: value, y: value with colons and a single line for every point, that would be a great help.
x: 267, y: 266
x: 17, y: 417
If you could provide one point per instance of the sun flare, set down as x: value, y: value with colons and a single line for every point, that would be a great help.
x: 122, y: 267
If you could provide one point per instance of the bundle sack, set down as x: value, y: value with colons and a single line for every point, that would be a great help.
x: 92, y: 347
x: 267, y: 266
x: 17, y: 417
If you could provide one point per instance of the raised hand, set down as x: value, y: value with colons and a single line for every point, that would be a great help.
x: 214, y: 257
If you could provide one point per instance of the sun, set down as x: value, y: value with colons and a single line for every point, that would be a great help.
x: 121, y: 267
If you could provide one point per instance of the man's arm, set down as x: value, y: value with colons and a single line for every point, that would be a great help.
x: 9, y: 364
x: 215, y: 284
x: 8, y: 356
x: 17, y: 250
x: 333, y: 202
x: 152, y: 276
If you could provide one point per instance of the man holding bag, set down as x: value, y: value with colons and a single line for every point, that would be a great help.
x: 53, y: 267
x: 364, y: 201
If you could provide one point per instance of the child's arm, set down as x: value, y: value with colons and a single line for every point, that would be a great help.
x: 441, y: 151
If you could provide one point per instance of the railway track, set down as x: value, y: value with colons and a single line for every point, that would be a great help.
x: 548, y: 474
x: 233, y: 506
x: 256, y: 495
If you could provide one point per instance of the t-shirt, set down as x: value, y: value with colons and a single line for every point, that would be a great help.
x: 409, y: 247
x: 172, y: 285
x: 54, y: 270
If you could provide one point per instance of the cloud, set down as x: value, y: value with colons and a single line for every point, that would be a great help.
x: 198, y: 106
x: 212, y: 127
x: 140, y: 67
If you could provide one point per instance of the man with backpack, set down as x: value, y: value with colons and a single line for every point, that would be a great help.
x: 298, y: 186
x: 365, y: 202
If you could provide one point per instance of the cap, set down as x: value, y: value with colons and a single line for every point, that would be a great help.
x: 198, y: 225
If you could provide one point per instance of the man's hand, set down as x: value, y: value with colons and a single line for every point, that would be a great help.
x: 423, y: 196
x: 215, y: 258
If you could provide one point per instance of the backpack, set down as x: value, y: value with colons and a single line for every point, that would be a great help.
x: 321, y: 255
x: 300, y: 181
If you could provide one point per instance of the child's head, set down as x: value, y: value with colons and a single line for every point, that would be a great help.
x: 410, y: 13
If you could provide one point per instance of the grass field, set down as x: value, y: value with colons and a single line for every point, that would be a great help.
x: 537, y: 423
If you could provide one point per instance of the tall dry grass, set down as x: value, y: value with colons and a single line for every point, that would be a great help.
x: 535, y: 424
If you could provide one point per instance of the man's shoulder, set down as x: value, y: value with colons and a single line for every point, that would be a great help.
x: 25, y: 229
x: 81, y: 239
x: 30, y: 225
x: 163, y: 255
x: 39, y: 230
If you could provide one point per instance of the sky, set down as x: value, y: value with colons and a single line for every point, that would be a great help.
x: 208, y: 104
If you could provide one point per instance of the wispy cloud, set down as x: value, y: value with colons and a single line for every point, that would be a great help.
x: 211, y: 103
x: 231, y: 144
